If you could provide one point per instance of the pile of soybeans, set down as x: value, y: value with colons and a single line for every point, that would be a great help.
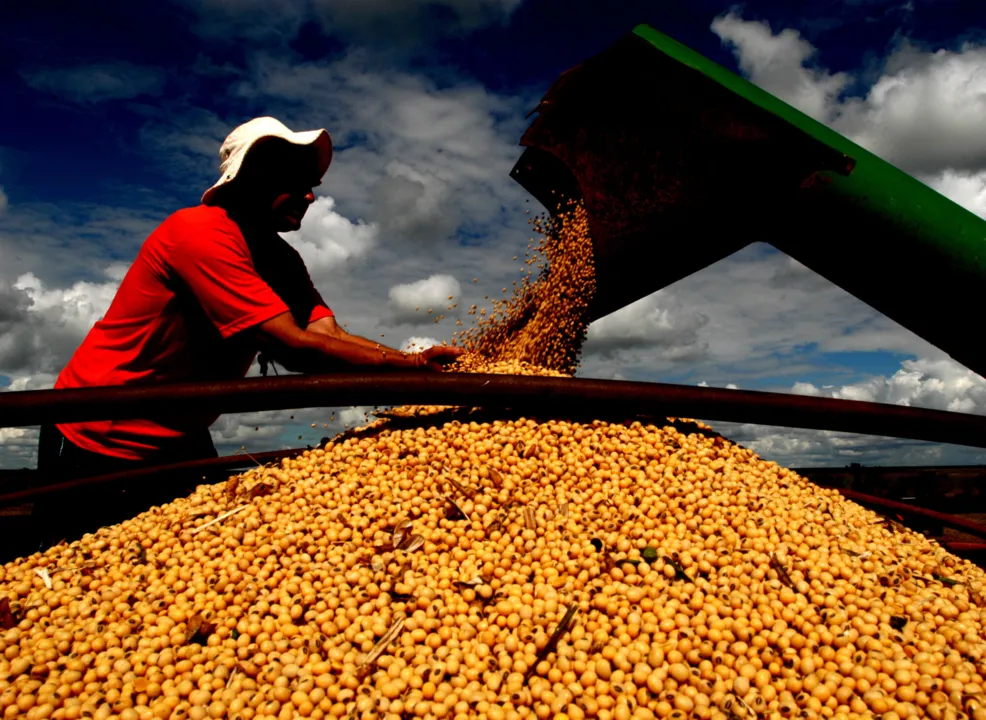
x: 499, y: 568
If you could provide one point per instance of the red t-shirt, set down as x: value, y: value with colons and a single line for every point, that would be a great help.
x: 197, y: 282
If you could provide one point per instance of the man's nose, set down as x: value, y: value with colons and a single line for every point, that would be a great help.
x: 310, y: 197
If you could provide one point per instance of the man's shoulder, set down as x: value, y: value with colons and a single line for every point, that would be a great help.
x: 203, y: 224
x: 205, y: 217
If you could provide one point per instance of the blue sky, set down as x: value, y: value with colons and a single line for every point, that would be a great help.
x: 116, y: 112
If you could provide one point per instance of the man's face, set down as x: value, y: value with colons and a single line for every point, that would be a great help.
x: 283, y: 179
x: 289, y: 206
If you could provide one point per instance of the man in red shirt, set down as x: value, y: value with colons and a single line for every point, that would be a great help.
x: 211, y: 287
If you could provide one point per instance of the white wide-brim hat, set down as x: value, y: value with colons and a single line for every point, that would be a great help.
x: 239, y: 142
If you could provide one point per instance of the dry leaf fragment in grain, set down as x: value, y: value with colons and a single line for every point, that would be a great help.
x: 411, y: 543
x: 496, y: 478
x: 381, y: 645
x: 782, y: 573
x: 248, y: 668
x: 460, y: 488
x: 606, y: 561
x: 478, y: 580
x: 552, y: 643
x: 501, y: 518
x: 529, y: 520
x: 784, y: 576
x: 7, y: 616
x: 141, y: 553
x: 45, y: 577
x: 739, y: 709
x: 232, y: 485
x: 679, y: 570
x: 260, y: 490
x: 454, y: 511
x: 892, y: 525
x: 219, y: 519
x: 401, y: 532
x: 374, y: 562
x: 198, y: 630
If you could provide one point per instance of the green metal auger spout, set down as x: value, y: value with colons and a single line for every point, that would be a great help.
x: 680, y: 163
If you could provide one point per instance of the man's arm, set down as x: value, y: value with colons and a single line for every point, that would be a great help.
x: 435, y: 358
x: 328, y: 326
x: 302, y: 350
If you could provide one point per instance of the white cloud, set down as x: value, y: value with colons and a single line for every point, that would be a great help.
x: 97, y: 83
x: 40, y: 327
x: 3, y: 201
x: 327, y: 240
x: 413, y: 204
x: 18, y: 447
x: 280, y: 429
x: 934, y: 384
x: 803, y: 388
x: 807, y: 448
x: 410, y: 303
x: 968, y: 189
x: 938, y: 384
x: 79, y: 306
x: 419, y: 344
x: 39, y: 381
x: 65, y: 242
x: 116, y: 271
x: 10, y: 434
x: 656, y: 322
x: 779, y: 64
x: 924, y: 113
x: 256, y: 431
x: 355, y: 416
x: 758, y: 312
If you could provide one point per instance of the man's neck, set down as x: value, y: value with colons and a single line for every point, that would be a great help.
x: 248, y: 219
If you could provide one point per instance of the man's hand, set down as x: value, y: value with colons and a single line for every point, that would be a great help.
x: 437, y: 357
